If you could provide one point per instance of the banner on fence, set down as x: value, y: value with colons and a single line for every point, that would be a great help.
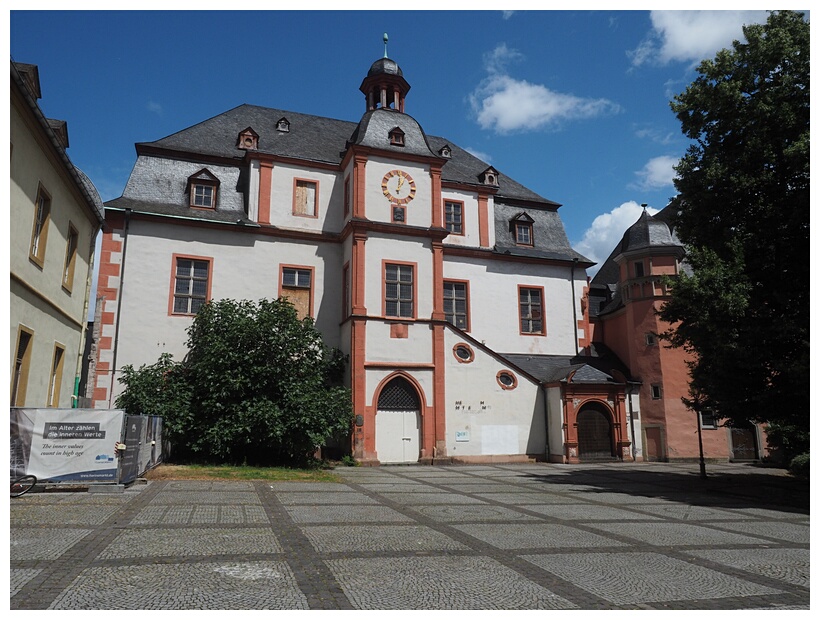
x: 66, y: 445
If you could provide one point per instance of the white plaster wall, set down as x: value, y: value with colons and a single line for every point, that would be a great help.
x: 493, y: 303
x: 330, y: 202
x: 416, y: 348
x: 496, y: 421
x: 377, y: 205
x: 244, y: 267
x: 253, y: 191
x: 379, y: 247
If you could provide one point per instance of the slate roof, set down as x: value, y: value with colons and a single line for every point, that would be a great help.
x: 647, y: 232
x: 549, y: 237
x: 321, y: 139
x: 595, y: 368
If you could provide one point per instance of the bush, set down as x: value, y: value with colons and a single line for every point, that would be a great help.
x: 257, y: 387
x: 799, y: 465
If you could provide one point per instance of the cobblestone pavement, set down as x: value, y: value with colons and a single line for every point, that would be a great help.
x: 523, y: 536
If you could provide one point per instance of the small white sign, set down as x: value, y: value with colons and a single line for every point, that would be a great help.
x: 462, y: 435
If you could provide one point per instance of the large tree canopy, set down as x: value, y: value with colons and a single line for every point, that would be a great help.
x: 258, y: 385
x: 743, y: 213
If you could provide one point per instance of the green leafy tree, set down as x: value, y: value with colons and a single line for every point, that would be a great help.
x: 261, y: 387
x: 743, y: 213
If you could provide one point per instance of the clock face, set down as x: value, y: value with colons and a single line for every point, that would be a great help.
x: 399, y: 187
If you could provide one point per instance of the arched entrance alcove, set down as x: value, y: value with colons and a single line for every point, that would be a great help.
x: 595, y: 441
x: 398, y: 422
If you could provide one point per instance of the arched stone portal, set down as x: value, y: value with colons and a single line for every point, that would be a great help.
x: 595, y: 441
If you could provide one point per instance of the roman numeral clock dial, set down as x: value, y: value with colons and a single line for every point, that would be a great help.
x: 399, y: 187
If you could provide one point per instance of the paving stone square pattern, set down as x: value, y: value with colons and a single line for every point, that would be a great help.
x: 33, y: 543
x: 67, y: 514
x: 671, y: 534
x: 189, y: 515
x: 440, y: 583
x: 338, y: 539
x: 536, y: 536
x: 342, y: 514
x: 789, y: 565
x: 303, y: 497
x: 230, y: 585
x: 156, y: 542
x: 601, y: 536
x: 651, y: 577
x: 470, y: 513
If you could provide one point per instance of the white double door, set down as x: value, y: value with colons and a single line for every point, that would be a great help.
x: 398, y: 435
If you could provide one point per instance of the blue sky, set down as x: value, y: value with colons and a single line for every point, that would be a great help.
x: 572, y: 104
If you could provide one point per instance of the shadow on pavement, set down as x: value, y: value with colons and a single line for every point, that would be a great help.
x: 740, y: 487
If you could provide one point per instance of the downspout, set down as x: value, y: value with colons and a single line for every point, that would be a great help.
x: 119, y: 304
x: 75, y: 397
x: 574, y: 304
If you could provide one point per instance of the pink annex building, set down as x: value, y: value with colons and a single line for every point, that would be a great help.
x: 466, y: 316
x: 624, y: 298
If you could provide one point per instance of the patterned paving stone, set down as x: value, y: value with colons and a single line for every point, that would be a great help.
x: 18, y: 577
x: 336, y: 539
x: 524, y: 499
x: 422, y: 499
x: 316, y: 487
x: 791, y: 532
x: 630, y: 578
x: 439, y: 583
x: 618, y: 498
x: 35, y: 543
x: 191, y: 542
x: 771, y: 513
x: 685, y: 512
x: 589, y: 512
x: 381, y: 487
x: 789, y: 565
x: 674, y: 534
x: 185, y: 515
x: 208, y: 497
x: 211, y: 585
x: 289, y: 499
x: 470, y: 513
x: 81, y: 499
x: 69, y: 514
x: 209, y: 485
x: 536, y: 536
x: 480, y: 487
x: 344, y: 514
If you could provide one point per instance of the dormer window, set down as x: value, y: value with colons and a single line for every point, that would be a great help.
x: 283, y: 125
x: 396, y: 137
x: 446, y: 151
x: 202, y: 190
x: 248, y: 140
x: 489, y: 177
x: 521, y: 228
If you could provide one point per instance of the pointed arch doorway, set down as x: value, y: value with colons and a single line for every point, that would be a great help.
x: 398, y: 423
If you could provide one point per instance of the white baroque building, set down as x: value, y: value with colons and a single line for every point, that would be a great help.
x: 452, y: 288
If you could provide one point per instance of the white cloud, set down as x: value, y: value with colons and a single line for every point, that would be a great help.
x: 506, y: 105
x: 691, y: 36
x: 607, y: 230
x: 657, y: 173
x: 153, y: 106
x: 507, y: 14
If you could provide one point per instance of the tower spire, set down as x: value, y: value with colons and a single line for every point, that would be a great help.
x: 385, y: 44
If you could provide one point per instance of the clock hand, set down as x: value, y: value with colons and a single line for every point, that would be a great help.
x: 401, y: 182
